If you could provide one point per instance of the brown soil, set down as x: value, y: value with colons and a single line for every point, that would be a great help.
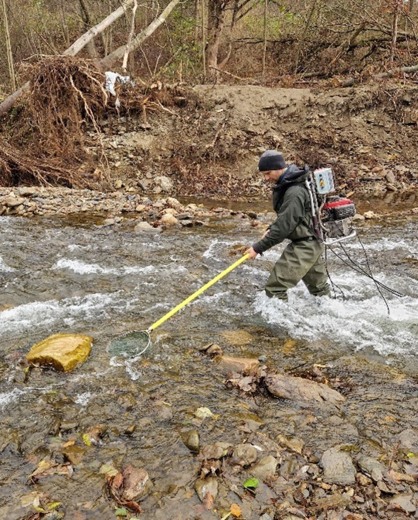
x: 210, y: 147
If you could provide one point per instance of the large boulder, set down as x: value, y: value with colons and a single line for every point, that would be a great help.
x: 62, y: 351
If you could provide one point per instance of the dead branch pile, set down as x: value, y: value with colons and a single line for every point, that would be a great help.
x: 132, y: 98
x: 18, y: 168
x: 66, y: 94
x: 59, y: 121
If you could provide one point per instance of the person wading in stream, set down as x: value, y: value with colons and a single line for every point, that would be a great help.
x: 303, y: 258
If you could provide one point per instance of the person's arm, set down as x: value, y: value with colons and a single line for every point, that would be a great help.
x: 290, y: 214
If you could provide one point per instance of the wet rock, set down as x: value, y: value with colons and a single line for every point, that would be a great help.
x: 168, y: 220
x: 238, y: 337
x: 265, y: 469
x: 192, y: 441
x: 300, y: 389
x: 206, y: 488
x: 142, y: 227
x: 238, y: 365
x: 338, y: 467
x: 214, y: 350
x: 203, y: 413
x: 186, y: 223
x: 408, y: 440
x: 372, y: 467
x: 244, y: 455
x: 164, y: 410
x: 136, y: 483
x: 74, y: 454
x: 63, y: 351
x: 292, y: 443
x: 215, y: 451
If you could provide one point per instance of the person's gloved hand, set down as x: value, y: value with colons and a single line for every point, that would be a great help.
x: 251, y: 253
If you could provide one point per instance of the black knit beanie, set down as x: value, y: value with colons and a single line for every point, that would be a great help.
x: 271, y: 160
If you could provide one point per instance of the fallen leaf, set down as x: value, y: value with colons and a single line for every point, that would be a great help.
x: 236, y: 510
x: 203, y: 413
x: 108, y: 470
x: 208, y: 501
x: 86, y: 439
x: 251, y: 483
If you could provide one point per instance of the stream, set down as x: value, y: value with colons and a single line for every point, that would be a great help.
x: 77, y: 275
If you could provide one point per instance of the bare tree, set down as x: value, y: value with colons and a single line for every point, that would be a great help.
x: 87, y: 23
x: 131, y: 35
x: 9, y: 47
x: 117, y: 54
x: 217, y: 22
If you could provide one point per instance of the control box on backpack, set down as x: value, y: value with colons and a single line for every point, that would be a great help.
x: 331, y: 214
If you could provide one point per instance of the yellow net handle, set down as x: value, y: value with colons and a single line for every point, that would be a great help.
x: 198, y: 293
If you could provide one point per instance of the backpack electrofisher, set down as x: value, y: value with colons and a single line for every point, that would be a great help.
x: 332, y: 215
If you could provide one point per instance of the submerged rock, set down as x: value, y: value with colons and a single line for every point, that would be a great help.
x: 238, y: 365
x: 266, y: 468
x: 300, y: 389
x: 338, y: 467
x: 136, y: 483
x: 206, y: 488
x: 63, y: 351
x: 192, y: 441
x: 244, y: 455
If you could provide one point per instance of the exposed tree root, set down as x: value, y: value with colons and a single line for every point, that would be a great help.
x: 18, y: 168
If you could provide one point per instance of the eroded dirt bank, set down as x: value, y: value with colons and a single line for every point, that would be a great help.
x: 210, y: 146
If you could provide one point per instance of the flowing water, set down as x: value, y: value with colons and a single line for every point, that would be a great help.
x: 79, y: 276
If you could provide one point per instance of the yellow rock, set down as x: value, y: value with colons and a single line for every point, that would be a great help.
x: 63, y: 351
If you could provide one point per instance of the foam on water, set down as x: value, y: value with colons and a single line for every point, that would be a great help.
x: 360, y: 321
x: 80, y: 267
x: 386, y: 244
x: 8, y: 397
x: 37, y: 314
x: 83, y: 399
x: 4, y: 268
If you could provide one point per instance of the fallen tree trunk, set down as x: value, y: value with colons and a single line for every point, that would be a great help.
x: 79, y: 44
x: 349, y: 82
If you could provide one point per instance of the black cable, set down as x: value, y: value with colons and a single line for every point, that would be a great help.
x: 363, y: 271
x: 368, y: 273
x: 334, y: 286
